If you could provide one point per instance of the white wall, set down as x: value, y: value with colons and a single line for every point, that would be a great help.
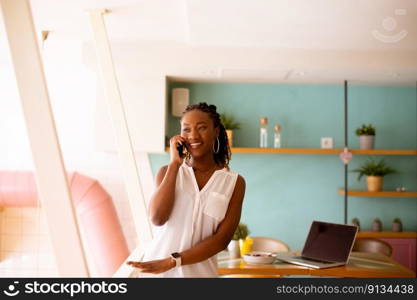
x: 14, y: 150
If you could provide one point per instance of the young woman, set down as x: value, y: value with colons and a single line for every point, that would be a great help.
x: 197, y: 202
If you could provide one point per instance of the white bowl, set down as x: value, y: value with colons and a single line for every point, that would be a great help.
x: 259, y: 258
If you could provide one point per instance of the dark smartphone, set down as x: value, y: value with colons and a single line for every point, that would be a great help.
x: 180, y: 149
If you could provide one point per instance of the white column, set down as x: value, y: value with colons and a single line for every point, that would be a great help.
x: 121, y: 130
x: 145, y: 173
x: 50, y: 171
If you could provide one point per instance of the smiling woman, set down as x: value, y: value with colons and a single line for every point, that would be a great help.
x: 197, y: 202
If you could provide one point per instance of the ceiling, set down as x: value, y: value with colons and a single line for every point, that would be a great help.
x: 314, y: 33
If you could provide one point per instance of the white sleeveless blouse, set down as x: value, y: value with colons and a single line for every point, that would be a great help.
x: 195, y: 216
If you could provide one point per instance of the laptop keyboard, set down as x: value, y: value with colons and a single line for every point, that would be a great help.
x: 311, y: 259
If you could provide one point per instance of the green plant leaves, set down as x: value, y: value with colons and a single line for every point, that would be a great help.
x: 373, y: 168
x: 229, y: 122
x: 365, y: 130
x: 241, y: 232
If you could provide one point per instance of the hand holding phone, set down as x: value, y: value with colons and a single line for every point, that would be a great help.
x: 180, y: 149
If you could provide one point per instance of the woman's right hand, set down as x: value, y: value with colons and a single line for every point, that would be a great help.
x: 173, y: 144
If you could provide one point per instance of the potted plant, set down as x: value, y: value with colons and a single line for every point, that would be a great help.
x: 355, y: 222
x: 397, y: 226
x: 366, y: 136
x: 241, y: 233
x: 377, y: 225
x: 229, y: 124
x: 374, y: 171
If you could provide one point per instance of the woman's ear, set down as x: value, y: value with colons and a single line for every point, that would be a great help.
x: 217, y: 130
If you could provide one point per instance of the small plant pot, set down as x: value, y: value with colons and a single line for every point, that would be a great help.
x: 234, y: 249
x: 357, y: 224
x: 366, y: 142
x: 376, y: 226
x: 397, y: 226
x: 374, y: 183
x: 230, y: 137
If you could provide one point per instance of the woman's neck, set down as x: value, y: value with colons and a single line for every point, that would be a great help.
x: 202, y: 163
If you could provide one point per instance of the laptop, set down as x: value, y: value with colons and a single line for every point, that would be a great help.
x: 327, y: 245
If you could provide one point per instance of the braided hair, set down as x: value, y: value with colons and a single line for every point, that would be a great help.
x: 224, y: 154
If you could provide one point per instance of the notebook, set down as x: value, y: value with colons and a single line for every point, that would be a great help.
x: 327, y: 245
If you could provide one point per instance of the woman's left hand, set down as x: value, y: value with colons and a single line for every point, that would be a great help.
x: 153, y: 266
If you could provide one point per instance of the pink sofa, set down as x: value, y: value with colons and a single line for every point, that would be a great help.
x: 96, y: 213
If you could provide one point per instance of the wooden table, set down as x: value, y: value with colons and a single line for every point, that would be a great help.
x: 360, y: 264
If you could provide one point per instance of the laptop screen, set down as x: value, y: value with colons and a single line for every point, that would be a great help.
x: 329, y: 242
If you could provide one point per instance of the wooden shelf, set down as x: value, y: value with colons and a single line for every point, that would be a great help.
x: 317, y: 151
x: 383, y: 152
x: 387, y: 234
x: 285, y: 150
x: 378, y: 194
x: 321, y: 151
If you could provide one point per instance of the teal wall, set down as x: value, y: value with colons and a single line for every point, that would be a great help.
x: 286, y: 192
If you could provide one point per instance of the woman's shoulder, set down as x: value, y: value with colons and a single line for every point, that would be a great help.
x: 239, y: 186
x: 240, y: 181
x: 239, y: 178
x: 162, y: 170
x: 161, y: 174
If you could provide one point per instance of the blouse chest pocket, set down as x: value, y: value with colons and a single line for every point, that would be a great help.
x: 216, y: 205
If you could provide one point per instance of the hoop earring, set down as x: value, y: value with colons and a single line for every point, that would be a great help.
x: 218, y: 146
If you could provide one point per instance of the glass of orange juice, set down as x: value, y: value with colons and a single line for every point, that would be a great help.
x: 245, y: 246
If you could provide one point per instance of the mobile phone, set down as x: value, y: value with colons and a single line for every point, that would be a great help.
x: 180, y: 149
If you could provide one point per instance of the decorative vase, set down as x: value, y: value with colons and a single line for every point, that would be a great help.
x: 376, y: 226
x: 397, y: 226
x: 374, y: 183
x: 230, y: 137
x: 234, y: 249
x: 366, y: 142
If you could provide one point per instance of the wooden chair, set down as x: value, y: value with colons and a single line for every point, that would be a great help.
x: 269, y: 245
x: 372, y: 246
